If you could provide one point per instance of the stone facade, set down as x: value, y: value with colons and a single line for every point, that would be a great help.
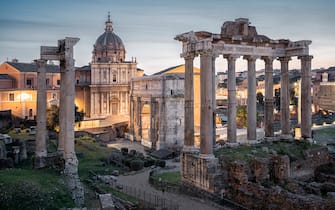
x: 156, y: 110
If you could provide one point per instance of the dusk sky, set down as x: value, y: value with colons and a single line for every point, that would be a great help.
x: 148, y: 27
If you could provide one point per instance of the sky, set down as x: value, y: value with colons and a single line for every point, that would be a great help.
x: 148, y: 27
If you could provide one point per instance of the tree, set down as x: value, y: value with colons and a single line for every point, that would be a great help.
x: 53, y: 117
x: 241, y: 116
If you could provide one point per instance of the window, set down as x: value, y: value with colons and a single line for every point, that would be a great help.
x: 114, y: 77
x: 58, y: 82
x: 47, y: 82
x: 105, y: 75
x: 11, y: 97
x: 28, y: 82
x: 30, y: 112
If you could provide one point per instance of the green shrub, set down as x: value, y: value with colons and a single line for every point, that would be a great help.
x: 124, y: 151
x: 132, y: 153
x: 149, y: 162
x: 136, y: 165
x: 160, y: 163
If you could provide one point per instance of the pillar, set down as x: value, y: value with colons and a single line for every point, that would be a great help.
x: 131, y: 110
x: 231, y: 129
x: 41, y: 132
x: 284, y: 98
x: 62, y: 114
x: 71, y: 162
x: 214, y: 98
x: 251, y: 101
x: 268, y: 112
x: 189, y: 103
x: 206, y: 98
x: 306, y: 103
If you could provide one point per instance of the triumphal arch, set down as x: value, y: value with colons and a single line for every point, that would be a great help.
x: 237, y: 39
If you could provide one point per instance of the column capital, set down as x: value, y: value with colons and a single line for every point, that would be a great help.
x: 284, y: 59
x: 268, y: 59
x: 190, y: 55
x: 231, y: 57
x: 208, y: 52
x: 250, y: 58
x: 305, y: 57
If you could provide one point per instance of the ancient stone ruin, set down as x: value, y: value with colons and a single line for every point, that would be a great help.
x: 64, y: 54
x: 200, y: 168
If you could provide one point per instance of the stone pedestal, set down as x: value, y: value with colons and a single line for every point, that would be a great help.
x: 199, y: 171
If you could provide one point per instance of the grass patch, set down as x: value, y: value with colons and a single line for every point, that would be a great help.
x: 169, y: 177
x: 116, y: 193
x: 295, y: 150
x: 90, y: 154
x: 33, y: 189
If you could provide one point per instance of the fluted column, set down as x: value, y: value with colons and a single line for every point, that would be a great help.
x: 268, y: 113
x: 306, y: 102
x: 231, y: 130
x: 41, y: 132
x: 284, y: 98
x: 206, y: 97
x: 251, y: 101
x: 189, y: 103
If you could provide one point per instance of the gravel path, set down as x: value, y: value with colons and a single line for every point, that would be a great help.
x: 185, y: 202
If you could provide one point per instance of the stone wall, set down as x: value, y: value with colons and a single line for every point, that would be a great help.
x: 277, y: 182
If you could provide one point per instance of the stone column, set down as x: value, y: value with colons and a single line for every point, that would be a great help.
x: 284, y: 98
x: 41, y: 131
x: 131, y: 110
x: 268, y: 112
x: 206, y: 97
x: 71, y: 162
x: 189, y: 104
x: 231, y: 130
x: 251, y: 101
x: 214, y: 98
x: 306, y: 103
x: 62, y: 106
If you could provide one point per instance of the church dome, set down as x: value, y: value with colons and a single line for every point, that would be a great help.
x: 109, y: 47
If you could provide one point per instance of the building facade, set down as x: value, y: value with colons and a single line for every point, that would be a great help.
x: 18, y: 83
x: 110, y: 76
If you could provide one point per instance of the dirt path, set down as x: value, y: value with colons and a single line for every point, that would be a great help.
x: 185, y: 202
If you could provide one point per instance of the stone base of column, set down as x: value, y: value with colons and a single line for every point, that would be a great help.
x: 286, y: 137
x: 269, y: 139
x: 73, y: 181
x: 40, y: 162
x: 190, y: 149
x: 200, y: 171
x: 309, y: 140
x: 53, y: 160
x: 206, y: 156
